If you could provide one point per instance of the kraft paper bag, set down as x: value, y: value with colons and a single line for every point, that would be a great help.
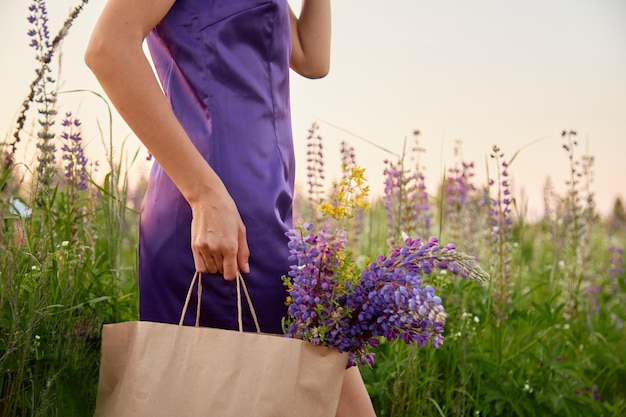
x: 164, y: 370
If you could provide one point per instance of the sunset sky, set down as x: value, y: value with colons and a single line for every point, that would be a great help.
x: 484, y: 72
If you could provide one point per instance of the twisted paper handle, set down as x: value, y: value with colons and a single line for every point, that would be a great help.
x: 197, y: 277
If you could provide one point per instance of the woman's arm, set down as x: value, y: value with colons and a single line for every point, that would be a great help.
x: 116, y: 57
x: 310, y: 39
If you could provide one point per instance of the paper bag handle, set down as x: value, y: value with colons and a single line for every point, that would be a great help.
x: 197, y: 277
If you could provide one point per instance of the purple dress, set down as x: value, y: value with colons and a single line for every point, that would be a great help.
x: 224, y: 66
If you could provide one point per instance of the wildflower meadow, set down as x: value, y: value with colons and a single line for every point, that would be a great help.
x: 537, y: 329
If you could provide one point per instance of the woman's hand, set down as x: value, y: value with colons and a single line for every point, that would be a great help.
x: 218, y: 236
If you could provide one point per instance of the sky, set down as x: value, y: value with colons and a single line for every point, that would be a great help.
x: 479, y: 73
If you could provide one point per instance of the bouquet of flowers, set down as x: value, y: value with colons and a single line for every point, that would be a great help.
x: 332, y: 302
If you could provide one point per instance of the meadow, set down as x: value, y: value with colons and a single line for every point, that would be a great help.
x: 544, y: 336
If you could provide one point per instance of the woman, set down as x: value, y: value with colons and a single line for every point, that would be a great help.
x: 220, y: 194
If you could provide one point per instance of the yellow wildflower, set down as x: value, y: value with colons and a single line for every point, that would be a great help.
x: 348, y: 194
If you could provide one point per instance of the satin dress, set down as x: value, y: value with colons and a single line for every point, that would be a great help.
x: 224, y: 67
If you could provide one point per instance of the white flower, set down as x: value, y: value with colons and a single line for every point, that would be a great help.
x: 37, y: 337
x: 527, y: 387
x: 476, y: 319
x: 65, y: 243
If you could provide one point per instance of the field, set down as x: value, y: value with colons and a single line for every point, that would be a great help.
x: 543, y: 336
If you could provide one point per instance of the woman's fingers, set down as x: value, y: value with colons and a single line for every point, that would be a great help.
x: 243, y: 253
x: 209, y: 255
x: 206, y: 264
x: 235, y: 258
x: 230, y: 268
x: 218, y: 241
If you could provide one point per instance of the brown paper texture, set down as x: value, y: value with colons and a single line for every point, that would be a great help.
x: 162, y: 370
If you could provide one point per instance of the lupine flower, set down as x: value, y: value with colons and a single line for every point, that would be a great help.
x: 43, y: 90
x: 458, y: 194
x: 39, y: 32
x: 39, y: 91
x: 333, y: 303
x: 406, y: 201
x: 315, y: 165
x: 393, y: 185
x: 419, y: 208
x: 501, y: 223
x: 578, y: 217
x: 348, y: 156
x: 73, y: 153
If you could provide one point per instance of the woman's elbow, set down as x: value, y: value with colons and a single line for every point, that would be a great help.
x: 313, y: 71
x: 320, y: 72
x: 101, y: 53
x: 94, y: 54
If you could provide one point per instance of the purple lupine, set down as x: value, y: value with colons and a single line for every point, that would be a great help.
x: 39, y: 33
x: 422, y: 205
x: 76, y: 174
x: 311, y: 277
x: 406, y: 196
x: 459, y: 188
x: 348, y: 156
x: 501, y: 228
x: 44, y: 93
x: 453, y: 200
x: 393, y: 186
x: 459, y: 181
x: 39, y: 92
x: 578, y: 218
x: 416, y: 215
x: 314, y: 165
x: 501, y: 221
x: 573, y: 218
x: 463, y: 207
x: 414, y: 207
x: 330, y: 306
